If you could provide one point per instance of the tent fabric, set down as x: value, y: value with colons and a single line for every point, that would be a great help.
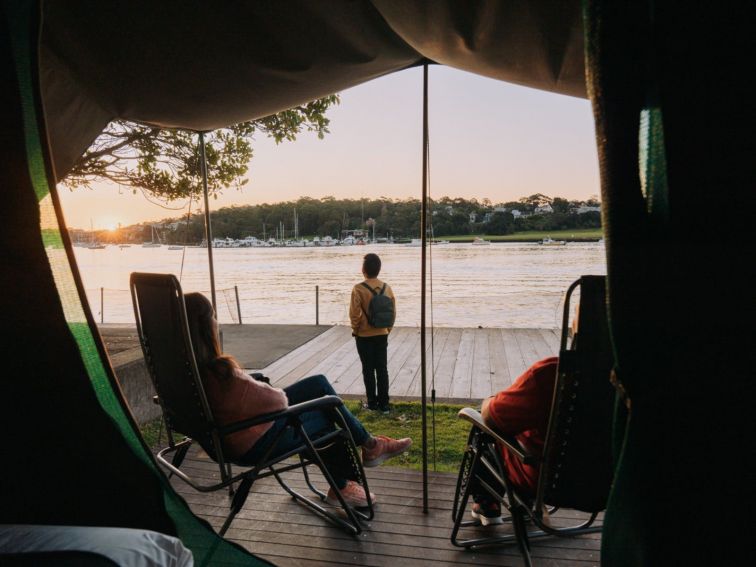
x: 674, y: 126
x: 72, y: 455
x: 205, y: 65
x: 677, y: 209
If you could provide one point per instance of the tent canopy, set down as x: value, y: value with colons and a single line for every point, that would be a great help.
x: 206, y: 65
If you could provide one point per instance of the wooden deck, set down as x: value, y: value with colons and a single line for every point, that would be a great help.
x: 275, y: 527
x: 469, y: 364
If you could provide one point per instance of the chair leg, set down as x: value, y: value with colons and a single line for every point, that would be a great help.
x: 178, y: 457
x: 230, y: 473
x: 320, y: 494
x: 463, y: 478
x: 352, y: 526
x: 240, y: 497
x: 521, y: 534
x: 470, y: 462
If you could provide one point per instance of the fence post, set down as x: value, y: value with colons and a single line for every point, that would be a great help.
x: 238, y: 306
x: 102, y: 305
x: 317, y: 305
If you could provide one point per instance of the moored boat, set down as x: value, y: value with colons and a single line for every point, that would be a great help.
x: 548, y: 241
x: 478, y: 241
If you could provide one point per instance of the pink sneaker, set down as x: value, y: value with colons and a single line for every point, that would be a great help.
x: 384, y: 448
x: 353, y: 494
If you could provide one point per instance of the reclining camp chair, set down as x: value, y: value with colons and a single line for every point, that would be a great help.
x: 164, y: 334
x: 576, y: 467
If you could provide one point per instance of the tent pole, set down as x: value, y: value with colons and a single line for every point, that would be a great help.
x: 423, y: 241
x: 208, y: 227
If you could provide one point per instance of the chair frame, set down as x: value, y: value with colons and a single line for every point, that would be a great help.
x: 483, y: 450
x: 308, y: 452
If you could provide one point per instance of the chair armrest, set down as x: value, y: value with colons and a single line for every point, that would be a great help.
x: 324, y: 402
x: 474, y: 417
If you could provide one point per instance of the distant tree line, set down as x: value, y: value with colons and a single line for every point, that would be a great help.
x: 399, y: 219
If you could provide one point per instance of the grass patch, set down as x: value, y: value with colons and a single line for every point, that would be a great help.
x: 533, y: 236
x: 405, y: 420
x: 152, y: 431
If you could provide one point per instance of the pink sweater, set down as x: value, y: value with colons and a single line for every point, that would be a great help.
x: 240, y: 398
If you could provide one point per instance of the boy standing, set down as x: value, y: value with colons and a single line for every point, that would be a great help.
x: 372, y: 311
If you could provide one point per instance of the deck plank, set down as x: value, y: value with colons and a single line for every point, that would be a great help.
x: 434, y: 350
x: 469, y: 364
x: 500, y: 377
x: 276, y: 528
x: 410, y: 343
x: 480, y: 386
x: 515, y: 360
x: 552, y: 338
x: 307, y: 360
x: 462, y: 378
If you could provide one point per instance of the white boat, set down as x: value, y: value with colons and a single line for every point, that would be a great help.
x: 327, y: 241
x: 124, y: 246
x: 175, y: 247
x: 152, y: 243
x: 478, y: 241
x: 252, y: 242
x: 348, y: 241
x: 97, y: 246
x: 415, y: 243
x: 548, y: 241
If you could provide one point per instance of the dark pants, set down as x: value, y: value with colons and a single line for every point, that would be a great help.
x: 315, y: 423
x: 480, y: 494
x: 372, y: 351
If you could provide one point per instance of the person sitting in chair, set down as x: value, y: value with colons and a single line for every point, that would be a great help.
x: 234, y: 396
x: 522, y: 410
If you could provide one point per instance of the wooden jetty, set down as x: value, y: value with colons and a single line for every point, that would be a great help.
x: 469, y: 363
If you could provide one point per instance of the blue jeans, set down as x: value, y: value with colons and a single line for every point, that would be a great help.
x: 315, y: 423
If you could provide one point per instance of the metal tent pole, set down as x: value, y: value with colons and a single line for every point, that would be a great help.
x: 208, y: 227
x: 423, y: 241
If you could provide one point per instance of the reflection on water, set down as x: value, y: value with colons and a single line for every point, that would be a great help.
x: 502, y: 285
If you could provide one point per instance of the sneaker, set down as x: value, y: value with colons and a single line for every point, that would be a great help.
x: 371, y: 406
x: 384, y: 448
x: 385, y: 410
x: 353, y: 494
x: 487, y: 513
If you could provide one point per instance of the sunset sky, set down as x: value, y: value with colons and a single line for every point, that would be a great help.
x: 488, y: 139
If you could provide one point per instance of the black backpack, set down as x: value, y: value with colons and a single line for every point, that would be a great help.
x: 380, y: 313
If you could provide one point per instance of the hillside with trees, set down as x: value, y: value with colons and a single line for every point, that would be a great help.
x: 392, y: 218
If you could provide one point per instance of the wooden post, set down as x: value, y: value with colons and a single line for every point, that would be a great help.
x: 317, y: 305
x: 238, y: 305
x: 102, y: 305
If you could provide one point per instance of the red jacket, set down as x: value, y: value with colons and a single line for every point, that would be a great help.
x: 523, y: 410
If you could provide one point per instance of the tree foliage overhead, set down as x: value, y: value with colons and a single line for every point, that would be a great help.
x: 165, y: 163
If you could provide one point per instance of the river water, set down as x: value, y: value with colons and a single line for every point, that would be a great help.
x: 500, y: 285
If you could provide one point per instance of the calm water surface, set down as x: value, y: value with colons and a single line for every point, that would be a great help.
x: 500, y: 285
